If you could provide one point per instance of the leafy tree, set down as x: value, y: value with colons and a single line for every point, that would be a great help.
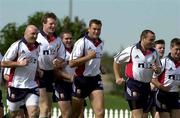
x: 8, y: 35
x: 11, y: 32
x: 35, y: 19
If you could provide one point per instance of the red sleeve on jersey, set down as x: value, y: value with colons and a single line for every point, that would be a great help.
x: 80, y: 70
x: 161, y: 78
x: 128, y: 70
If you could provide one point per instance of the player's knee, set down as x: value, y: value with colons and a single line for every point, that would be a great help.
x: 66, y: 115
x: 34, y: 115
x: 44, y: 107
x: 75, y: 114
x: 49, y: 114
x: 13, y: 114
x: 44, y: 111
x: 99, y: 113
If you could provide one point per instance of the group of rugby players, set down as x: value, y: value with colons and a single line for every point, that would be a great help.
x: 43, y: 67
x: 145, y: 67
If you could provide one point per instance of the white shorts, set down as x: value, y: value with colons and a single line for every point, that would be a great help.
x: 30, y: 100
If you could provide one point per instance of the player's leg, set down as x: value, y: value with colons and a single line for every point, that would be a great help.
x: 97, y: 96
x: 65, y: 107
x: 32, y: 105
x: 97, y: 102
x: 46, y: 92
x: 14, y: 109
x: 175, y: 113
x: 82, y: 110
x: 63, y: 93
x: 77, y: 104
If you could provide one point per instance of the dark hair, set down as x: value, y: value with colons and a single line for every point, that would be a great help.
x: 145, y: 32
x: 175, y: 41
x: 48, y: 15
x: 95, y: 21
x: 160, y: 41
x: 64, y: 32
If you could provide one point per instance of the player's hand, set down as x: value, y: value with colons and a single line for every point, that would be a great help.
x: 156, y: 68
x: 91, y: 53
x: 165, y: 88
x: 72, y: 78
x: 24, y: 62
x: 120, y: 81
x: 40, y: 73
x: 58, y: 63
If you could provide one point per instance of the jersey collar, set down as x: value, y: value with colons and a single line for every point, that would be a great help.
x: 49, y: 38
x: 138, y: 45
x: 69, y: 49
x: 172, y: 59
x: 96, y: 42
x: 30, y: 46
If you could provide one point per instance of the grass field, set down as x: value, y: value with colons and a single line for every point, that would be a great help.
x: 113, y: 102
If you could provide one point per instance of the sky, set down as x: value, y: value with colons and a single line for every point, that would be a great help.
x: 123, y: 20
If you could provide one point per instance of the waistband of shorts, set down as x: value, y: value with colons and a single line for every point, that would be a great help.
x: 132, y: 79
x: 47, y: 70
x: 89, y: 76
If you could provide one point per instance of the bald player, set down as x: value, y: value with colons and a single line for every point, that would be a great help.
x: 22, y: 58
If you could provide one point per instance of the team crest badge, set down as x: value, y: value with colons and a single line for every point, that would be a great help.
x: 135, y: 94
x: 13, y: 96
x: 62, y: 95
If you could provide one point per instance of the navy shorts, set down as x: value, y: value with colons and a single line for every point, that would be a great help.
x: 18, y: 94
x: 137, y: 94
x: 47, y: 80
x: 83, y: 86
x: 151, y: 102
x: 63, y: 91
x: 166, y: 101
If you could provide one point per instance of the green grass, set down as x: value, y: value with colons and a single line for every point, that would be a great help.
x: 113, y: 102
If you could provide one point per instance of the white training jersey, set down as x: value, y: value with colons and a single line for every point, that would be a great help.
x: 49, y: 51
x: 22, y: 77
x: 91, y: 67
x: 0, y: 68
x: 170, y: 75
x: 68, y: 68
x: 138, y: 63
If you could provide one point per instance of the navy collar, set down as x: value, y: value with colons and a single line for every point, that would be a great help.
x: 36, y: 44
x: 69, y: 49
x: 171, y: 58
x: 138, y: 45
x: 87, y: 37
x: 45, y: 35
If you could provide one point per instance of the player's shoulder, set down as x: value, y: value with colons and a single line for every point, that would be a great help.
x: 130, y: 48
x: 80, y: 41
x: 16, y: 43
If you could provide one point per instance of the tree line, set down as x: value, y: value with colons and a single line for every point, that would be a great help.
x: 12, y: 32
